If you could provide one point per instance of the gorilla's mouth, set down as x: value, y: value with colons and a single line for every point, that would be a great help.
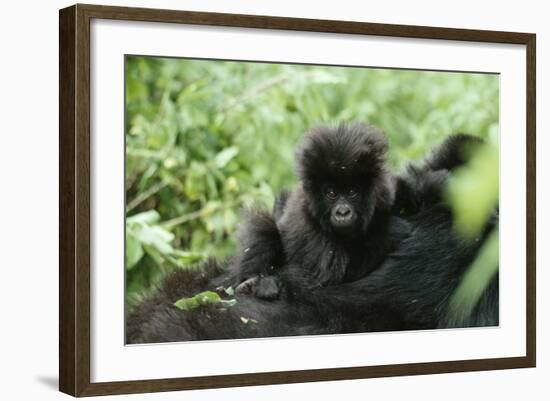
x: 343, y: 224
x: 342, y: 217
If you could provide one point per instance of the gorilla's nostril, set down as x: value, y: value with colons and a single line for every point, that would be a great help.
x: 343, y: 211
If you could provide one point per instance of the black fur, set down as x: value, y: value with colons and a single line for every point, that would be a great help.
x: 260, y: 249
x: 280, y: 204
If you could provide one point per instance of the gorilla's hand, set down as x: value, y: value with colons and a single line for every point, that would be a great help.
x: 263, y: 287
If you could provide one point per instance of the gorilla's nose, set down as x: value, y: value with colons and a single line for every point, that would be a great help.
x: 343, y: 211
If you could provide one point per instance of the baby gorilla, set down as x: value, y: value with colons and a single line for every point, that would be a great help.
x: 332, y: 228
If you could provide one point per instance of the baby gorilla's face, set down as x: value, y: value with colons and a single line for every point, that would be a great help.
x: 341, y: 203
x: 342, y: 207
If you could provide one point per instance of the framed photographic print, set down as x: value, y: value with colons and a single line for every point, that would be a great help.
x: 251, y: 200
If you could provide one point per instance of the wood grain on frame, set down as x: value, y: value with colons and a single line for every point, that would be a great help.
x: 74, y: 198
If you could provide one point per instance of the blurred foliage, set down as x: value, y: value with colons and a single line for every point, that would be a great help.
x: 473, y: 190
x: 206, y: 138
x: 476, y: 279
x: 473, y: 194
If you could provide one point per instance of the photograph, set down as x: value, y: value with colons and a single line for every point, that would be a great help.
x: 269, y: 199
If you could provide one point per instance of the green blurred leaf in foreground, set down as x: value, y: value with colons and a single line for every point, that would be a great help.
x: 473, y: 191
x: 476, y: 280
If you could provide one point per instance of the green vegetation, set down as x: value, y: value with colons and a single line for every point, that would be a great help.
x: 206, y: 138
x: 202, y: 299
x: 473, y: 194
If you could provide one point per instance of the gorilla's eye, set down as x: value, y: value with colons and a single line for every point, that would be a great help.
x: 330, y: 193
x: 352, y: 192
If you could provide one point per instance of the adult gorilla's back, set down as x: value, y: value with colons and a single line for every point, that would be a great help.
x: 156, y: 319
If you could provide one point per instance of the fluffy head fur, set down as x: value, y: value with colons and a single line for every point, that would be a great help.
x: 353, y: 152
x: 347, y: 160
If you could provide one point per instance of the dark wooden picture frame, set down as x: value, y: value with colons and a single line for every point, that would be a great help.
x: 74, y: 199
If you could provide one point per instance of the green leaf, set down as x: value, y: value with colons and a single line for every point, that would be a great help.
x: 476, y: 280
x: 134, y: 251
x: 186, y: 258
x: 208, y: 297
x: 225, y: 156
x: 473, y: 191
x: 187, y: 303
x: 201, y: 299
x: 148, y: 217
x: 154, y: 254
x: 156, y: 237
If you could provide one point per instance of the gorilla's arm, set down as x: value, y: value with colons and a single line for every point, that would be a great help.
x: 453, y: 152
x: 421, y: 185
x: 259, y: 255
